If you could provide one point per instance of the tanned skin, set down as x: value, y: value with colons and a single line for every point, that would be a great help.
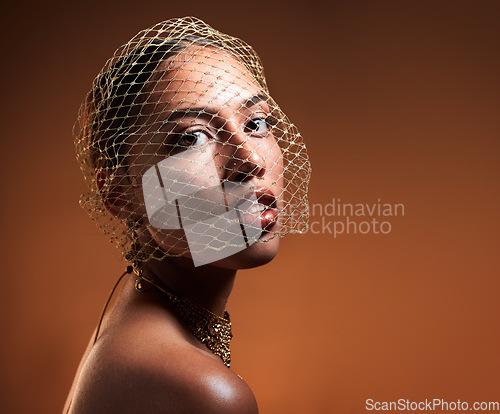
x: 145, y: 359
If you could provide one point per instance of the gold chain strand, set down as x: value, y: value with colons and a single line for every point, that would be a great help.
x: 127, y: 271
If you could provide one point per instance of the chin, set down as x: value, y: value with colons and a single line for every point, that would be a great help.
x: 258, y: 254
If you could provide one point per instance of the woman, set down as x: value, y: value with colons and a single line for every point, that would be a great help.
x: 194, y: 172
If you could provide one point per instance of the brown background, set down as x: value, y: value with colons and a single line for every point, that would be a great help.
x: 397, y: 100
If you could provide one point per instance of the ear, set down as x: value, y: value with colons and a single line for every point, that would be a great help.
x: 119, y: 194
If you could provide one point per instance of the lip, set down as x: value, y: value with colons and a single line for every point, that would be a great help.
x: 266, y: 197
x: 269, y: 214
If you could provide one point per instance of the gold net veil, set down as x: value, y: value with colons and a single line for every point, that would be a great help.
x: 184, y: 150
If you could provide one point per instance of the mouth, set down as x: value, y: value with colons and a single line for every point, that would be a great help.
x: 263, y: 211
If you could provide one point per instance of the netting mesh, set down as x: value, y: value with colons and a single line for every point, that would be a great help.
x: 179, y: 140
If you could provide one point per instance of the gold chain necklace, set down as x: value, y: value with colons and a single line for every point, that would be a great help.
x: 211, y: 329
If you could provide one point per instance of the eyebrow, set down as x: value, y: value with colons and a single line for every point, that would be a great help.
x: 254, y: 100
x: 208, y: 113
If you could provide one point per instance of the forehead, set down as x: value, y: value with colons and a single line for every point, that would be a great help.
x: 204, y: 76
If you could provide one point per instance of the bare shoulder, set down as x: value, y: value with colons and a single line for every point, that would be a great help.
x: 171, y: 377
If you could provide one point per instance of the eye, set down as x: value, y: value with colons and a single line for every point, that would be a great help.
x: 257, y: 126
x: 190, y: 139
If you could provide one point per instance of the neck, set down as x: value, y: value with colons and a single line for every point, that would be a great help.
x: 208, y: 286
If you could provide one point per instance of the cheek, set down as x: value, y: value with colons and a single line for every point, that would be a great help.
x: 179, y: 188
x: 174, y: 177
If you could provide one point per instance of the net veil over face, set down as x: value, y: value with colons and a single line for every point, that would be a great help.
x: 179, y: 137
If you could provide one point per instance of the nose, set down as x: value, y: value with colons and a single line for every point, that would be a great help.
x: 245, y: 160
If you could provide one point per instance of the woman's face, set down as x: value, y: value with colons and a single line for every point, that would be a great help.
x: 204, y: 148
